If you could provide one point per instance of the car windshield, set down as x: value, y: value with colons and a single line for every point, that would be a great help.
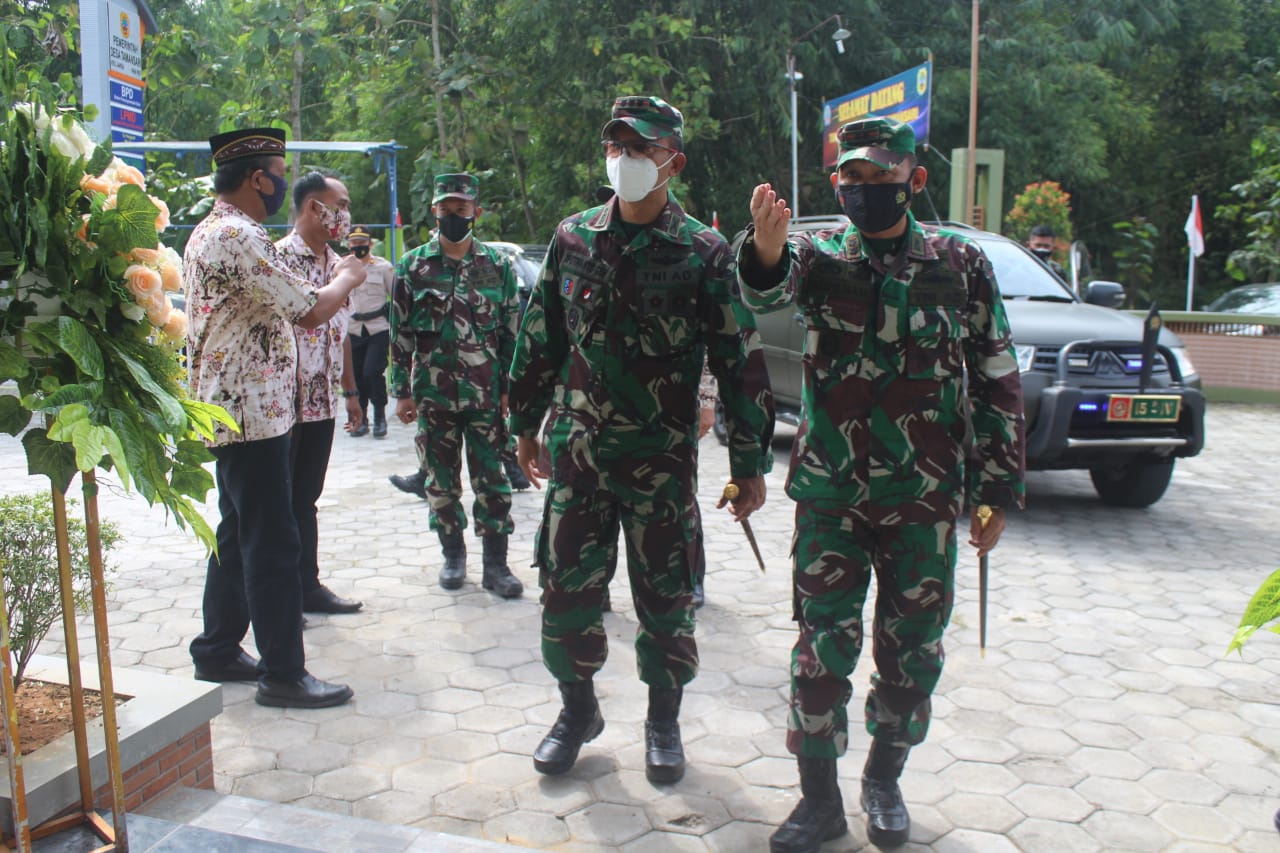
x: 1019, y: 274
x: 1264, y: 299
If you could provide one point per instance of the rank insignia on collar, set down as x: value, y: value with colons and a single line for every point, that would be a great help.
x: 567, y: 287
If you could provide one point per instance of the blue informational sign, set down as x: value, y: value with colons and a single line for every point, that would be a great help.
x: 904, y: 96
x: 126, y: 95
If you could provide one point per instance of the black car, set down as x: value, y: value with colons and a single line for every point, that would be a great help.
x: 1080, y: 362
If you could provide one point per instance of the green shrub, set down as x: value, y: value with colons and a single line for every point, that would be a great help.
x: 29, y: 559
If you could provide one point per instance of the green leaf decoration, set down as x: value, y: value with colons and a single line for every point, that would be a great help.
x: 13, y: 364
x: 14, y: 417
x: 1264, y: 607
x: 54, y: 459
x: 69, y: 419
x: 203, y: 415
x: 142, y: 464
x: 195, y: 482
x: 199, y: 526
x: 90, y: 445
x: 171, y: 411
x: 69, y: 394
x: 100, y: 160
x: 75, y: 341
x: 118, y: 458
x: 131, y: 224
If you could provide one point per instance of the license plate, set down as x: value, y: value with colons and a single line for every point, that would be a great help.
x: 1144, y: 407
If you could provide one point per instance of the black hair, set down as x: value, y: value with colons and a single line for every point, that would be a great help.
x: 1043, y: 231
x: 308, y: 185
x: 228, y: 177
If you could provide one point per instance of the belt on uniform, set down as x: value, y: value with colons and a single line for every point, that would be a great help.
x: 365, y: 316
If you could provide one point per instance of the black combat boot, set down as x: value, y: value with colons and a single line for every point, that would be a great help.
x: 819, y: 816
x: 515, y: 474
x: 579, y: 722
x: 663, y: 752
x: 455, y: 560
x: 888, y: 824
x: 379, y: 421
x: 497, y: 577
x: 414, y: 484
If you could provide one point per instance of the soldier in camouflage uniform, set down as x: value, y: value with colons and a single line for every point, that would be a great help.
x: 634, y: 294
x: 896, y: 313
x: 454, y: 315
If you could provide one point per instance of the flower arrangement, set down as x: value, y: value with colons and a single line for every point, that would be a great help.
x: 88, y: 331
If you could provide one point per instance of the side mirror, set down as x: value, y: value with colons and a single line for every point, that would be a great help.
x: 1108, y: 294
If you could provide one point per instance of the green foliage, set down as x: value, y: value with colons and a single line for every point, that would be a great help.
x: 1043, y: 203
x: 29, y: 561
x: 1256, y: 214
x: 1263, y: 608
x: 1135, y: 256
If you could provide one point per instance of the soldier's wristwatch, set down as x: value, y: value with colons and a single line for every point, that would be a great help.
x: 351, y: 393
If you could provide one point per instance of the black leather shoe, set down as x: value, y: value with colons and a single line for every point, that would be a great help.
x: 379, y: 424
x: 515, y: 475
x: 888, y: 824
x: 323, y: 600
x: 699, y: 596
x: 414, y: 484
x: 360, y: 431
x: 307, y: 692
x: 242, y: 668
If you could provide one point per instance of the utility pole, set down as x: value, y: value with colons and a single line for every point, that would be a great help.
x: 971, y: 180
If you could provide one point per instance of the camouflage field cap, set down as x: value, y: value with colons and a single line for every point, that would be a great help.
x: 359, y: 232
x: 883, y: 141
x: 456, y: 185
x: 652, y: 118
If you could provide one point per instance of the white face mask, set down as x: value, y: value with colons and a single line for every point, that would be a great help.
x: 633, y: 178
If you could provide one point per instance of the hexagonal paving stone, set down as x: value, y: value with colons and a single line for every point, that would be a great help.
x: 317, y: 756
x: 490, y: 719
x: 475, y: 801
x: 351, y: 783
x: 688, y: 814
x: 607, y: 823
x: 1196, y: 823
x: 1120, y: 795
x: 1058, y: 836
x: 503, y: 768
x: 778, y: 772
x: 461, y: 746
x: 980, y: 778
x: 526, y: 829
x: 429, y: 776
x: 1108, y: 763
x: 556, y: 795
x: 980, y: 749
x: 1051, y: 803
x: 281, y: 786
x: 982, y: 812
x: 393, y: 807
x: 1120, y: 831
x: 352, y: 730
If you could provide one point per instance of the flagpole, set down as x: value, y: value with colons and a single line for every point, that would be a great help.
x: 1191, y: 274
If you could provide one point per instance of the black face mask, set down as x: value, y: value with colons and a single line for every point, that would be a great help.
x: 874, y: 207
x: 275, y: 201
x: 360, y: 251
x: 455, y: 228
x: 1042, y: 254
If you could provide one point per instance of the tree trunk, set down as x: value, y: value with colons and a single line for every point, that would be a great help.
x: 438, y: 62
x: 295, y: 92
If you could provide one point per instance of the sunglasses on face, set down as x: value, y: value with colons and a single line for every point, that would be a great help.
x: 632, y: 147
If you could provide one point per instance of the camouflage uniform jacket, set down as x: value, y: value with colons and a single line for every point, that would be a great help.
x: 617, y: 333
x: 453, y: 327
x: 885, y: 422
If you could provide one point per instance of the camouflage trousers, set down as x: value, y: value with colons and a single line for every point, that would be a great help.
x: 440, y: 441
x: 575, y: 548
x: 914, y: 566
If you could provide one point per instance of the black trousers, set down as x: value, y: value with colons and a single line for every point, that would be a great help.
x: 253, y: 580
x: 369, y: 359
x: 308, y: 464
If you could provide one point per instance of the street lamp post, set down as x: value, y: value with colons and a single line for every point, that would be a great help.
x: 792, y: 76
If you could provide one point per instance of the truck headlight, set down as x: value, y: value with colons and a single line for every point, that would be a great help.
x: 1185, y: 367
x: 1026, y: 355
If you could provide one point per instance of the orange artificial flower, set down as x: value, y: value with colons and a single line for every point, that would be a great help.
x: 150, y: 257
x: 91, y: 184
x: 176, y: 326
x: 142, y: 282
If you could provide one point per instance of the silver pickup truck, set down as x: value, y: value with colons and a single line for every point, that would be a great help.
x: 1080, y: 362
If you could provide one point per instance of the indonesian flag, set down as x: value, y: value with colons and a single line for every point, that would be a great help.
x: 715, y: 220
x: 1195, y: 228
